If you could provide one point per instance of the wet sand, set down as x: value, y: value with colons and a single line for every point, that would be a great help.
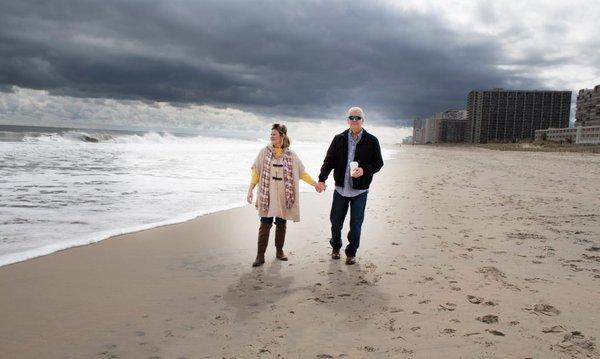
x: 466, y: 252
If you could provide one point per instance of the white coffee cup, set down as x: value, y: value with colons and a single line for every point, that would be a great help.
x: 353, y: 166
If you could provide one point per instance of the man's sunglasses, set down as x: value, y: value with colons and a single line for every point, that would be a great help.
x: 354, y: 118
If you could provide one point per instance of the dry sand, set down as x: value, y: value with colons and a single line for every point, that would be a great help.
x: 465, y: 252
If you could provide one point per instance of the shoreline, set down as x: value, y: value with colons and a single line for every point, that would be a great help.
x: 102, y: 236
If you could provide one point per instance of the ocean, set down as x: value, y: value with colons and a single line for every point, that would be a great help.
x: 65, y: 187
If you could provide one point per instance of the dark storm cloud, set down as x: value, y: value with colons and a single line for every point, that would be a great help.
x: 302, y: 59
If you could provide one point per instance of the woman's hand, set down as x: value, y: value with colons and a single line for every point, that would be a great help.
x: 249, y: 196
x: 320, y: 187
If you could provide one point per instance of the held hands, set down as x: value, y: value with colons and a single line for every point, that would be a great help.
x: 320, y: 187
x: 357, y: 172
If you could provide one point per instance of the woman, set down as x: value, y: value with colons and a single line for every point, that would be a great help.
x: 277, y: 171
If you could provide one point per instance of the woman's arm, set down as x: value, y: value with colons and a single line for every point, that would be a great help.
x: 308, y: 179
x: 253, y: 182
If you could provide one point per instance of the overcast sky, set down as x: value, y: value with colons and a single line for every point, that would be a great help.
x: 307, y: 61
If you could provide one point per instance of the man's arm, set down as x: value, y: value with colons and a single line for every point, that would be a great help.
x: 328, y: 162
x: 377, y: 163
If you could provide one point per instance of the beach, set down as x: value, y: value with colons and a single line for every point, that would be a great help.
x: 465, y: 253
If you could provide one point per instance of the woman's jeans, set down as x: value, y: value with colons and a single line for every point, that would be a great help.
x: 339, y: 209
x: 269, y: 220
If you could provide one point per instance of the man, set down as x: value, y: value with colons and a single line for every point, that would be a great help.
x: 351, y: 186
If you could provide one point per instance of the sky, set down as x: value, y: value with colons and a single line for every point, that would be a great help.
x: 240, y: 65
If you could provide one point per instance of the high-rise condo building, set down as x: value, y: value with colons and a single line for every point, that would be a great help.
x: 500, y: 115
x: 588, y: 107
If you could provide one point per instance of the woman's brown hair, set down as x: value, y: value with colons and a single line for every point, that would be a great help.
x: 285, y: 140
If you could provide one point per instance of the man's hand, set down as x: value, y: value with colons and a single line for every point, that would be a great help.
x: 320, y: 187
x: 357, y: 172
x: 249, y: 197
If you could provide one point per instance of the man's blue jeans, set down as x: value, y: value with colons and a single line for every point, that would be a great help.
x: 339, y: 209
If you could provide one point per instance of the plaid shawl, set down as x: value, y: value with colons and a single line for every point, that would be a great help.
x: 288, y: 179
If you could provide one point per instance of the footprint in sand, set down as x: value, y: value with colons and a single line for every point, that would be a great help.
x: 109, y: 354
x: 473, y: 299
x: 544, y: 309
x: 592, y: 258
x: 554, y: 329
x: 492, y: 272
x: 576, y: 345
x: 488, y: 319
x: 478, y: 300
x: 495, y: 332
x: 448, y: 306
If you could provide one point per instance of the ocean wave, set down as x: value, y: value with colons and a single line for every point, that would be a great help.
x: 70, y: 136
x: 99, y: 137
x: 152, y: 137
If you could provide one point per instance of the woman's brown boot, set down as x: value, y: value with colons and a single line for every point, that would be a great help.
x: 279, y: 240
x: 263, y: 241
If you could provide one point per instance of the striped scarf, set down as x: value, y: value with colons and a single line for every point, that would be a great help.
x: 288, y: 179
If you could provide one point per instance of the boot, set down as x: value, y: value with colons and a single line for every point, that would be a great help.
x: 279, y: 240
x: 263, y: 241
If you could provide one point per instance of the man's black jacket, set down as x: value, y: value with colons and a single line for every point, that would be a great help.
x: 367, y: 154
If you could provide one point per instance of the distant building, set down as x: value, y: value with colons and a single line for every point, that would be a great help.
x: 418, y: 131
x: 588, y: 107
x: 503, y: 116
x: 424, y: 131
x: 431, y: 133
x: 450, y: 125
x: 578, y: 135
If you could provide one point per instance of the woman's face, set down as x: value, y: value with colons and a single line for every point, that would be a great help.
x: 275, y: 138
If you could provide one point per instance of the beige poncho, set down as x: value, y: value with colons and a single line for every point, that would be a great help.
x: 277, y: 207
